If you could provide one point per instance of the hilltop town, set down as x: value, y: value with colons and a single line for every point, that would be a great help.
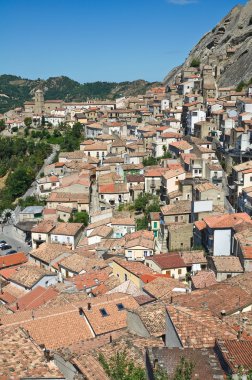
x: 141, y: 241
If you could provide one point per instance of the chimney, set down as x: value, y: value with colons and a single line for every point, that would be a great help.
x: 33, y: 316
x: 81, y: 312
x: 171, y: 299
x: 223, y: 313
x: 110, y: 339
x: 17, y: 306
x: 89, y: 306
x: 239, y: 334
x: 47, y: 355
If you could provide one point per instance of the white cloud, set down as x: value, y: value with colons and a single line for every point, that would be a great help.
x: 182, y: 2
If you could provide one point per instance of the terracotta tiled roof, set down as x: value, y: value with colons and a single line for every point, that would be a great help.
x: 102, y: 231
x: 28, y: 275
x: 34, y: 299
x: 193, y: 257
x: 70, y: 229
x: 10, y: 260
x: 77, y: 263
x: 236, y: 354
x: 181, y: 145
x: 168, y: 261
x: 68, y: 197
x: 173, y: 173
x: 115, y: 317
x: 113, y: 188
x: 48, y: 252
x: 203, y: 279
x: 227, y: 220
x: 21, y: 358
x: 227, y: 264
x: 163, y: 287
x: 238, y: 288
x: 90, y: 279
x: 178, y: 208
x: 136, y: 268
x: 43, y: 227
x: 153, y: 317
x: 190, y: 325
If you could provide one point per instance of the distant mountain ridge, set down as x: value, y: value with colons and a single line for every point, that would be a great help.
x: 14, y: 90
x: 227, y: 47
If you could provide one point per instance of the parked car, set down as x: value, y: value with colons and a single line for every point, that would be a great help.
x: 6, y: 246
x: 2, y: 242
x: 11, y: 252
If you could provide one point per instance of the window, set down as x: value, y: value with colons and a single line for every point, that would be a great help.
x: 145, y: 253
x: 168, y: 272
x: 103, y: 312
x: 56, y: 238
x: 120, y: 306
x: 125, y: 277
x: 68, y: 239
x: 155, y: 224
x: 179, y: 271
x: 176, y: 218
x: 250, y: 179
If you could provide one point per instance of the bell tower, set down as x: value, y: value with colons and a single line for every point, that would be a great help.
x: 39, y: 102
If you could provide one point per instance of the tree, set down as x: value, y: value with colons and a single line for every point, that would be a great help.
x: 2, y: 125
x: 28, y: 121
x: 195, y: 62
x: 141, y: 202
x: 80, y: 217
x: 118, y: 367
x: 184, y: 369
x: 150, y: 161
x: 19, y: 181
x: 142, y: 223
x: 43, y: 121
x: 240, y: 86
x: 31, y: 200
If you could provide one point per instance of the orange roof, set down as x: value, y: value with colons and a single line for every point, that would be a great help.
x: 200, y: 224
x: 112, y: 188
x: 8, y: 272
x: 247, y: 251
x: 227, y: 220
x: 34, y: 298
x: 146, y: 278
x: 59, y: 164
x: 10, y: 260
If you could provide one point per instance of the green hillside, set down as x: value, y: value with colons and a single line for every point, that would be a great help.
x: 14, y: 90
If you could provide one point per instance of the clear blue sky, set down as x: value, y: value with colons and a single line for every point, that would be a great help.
x: 108, y: 40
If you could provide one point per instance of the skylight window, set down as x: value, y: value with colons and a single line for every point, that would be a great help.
x: 103, y: 312
x: 120, y: 306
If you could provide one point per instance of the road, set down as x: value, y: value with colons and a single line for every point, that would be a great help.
x: 11, y: 237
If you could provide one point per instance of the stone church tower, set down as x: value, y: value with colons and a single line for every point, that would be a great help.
x: 39, y: 102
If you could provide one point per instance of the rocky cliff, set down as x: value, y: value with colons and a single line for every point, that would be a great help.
x: 228, y: 48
